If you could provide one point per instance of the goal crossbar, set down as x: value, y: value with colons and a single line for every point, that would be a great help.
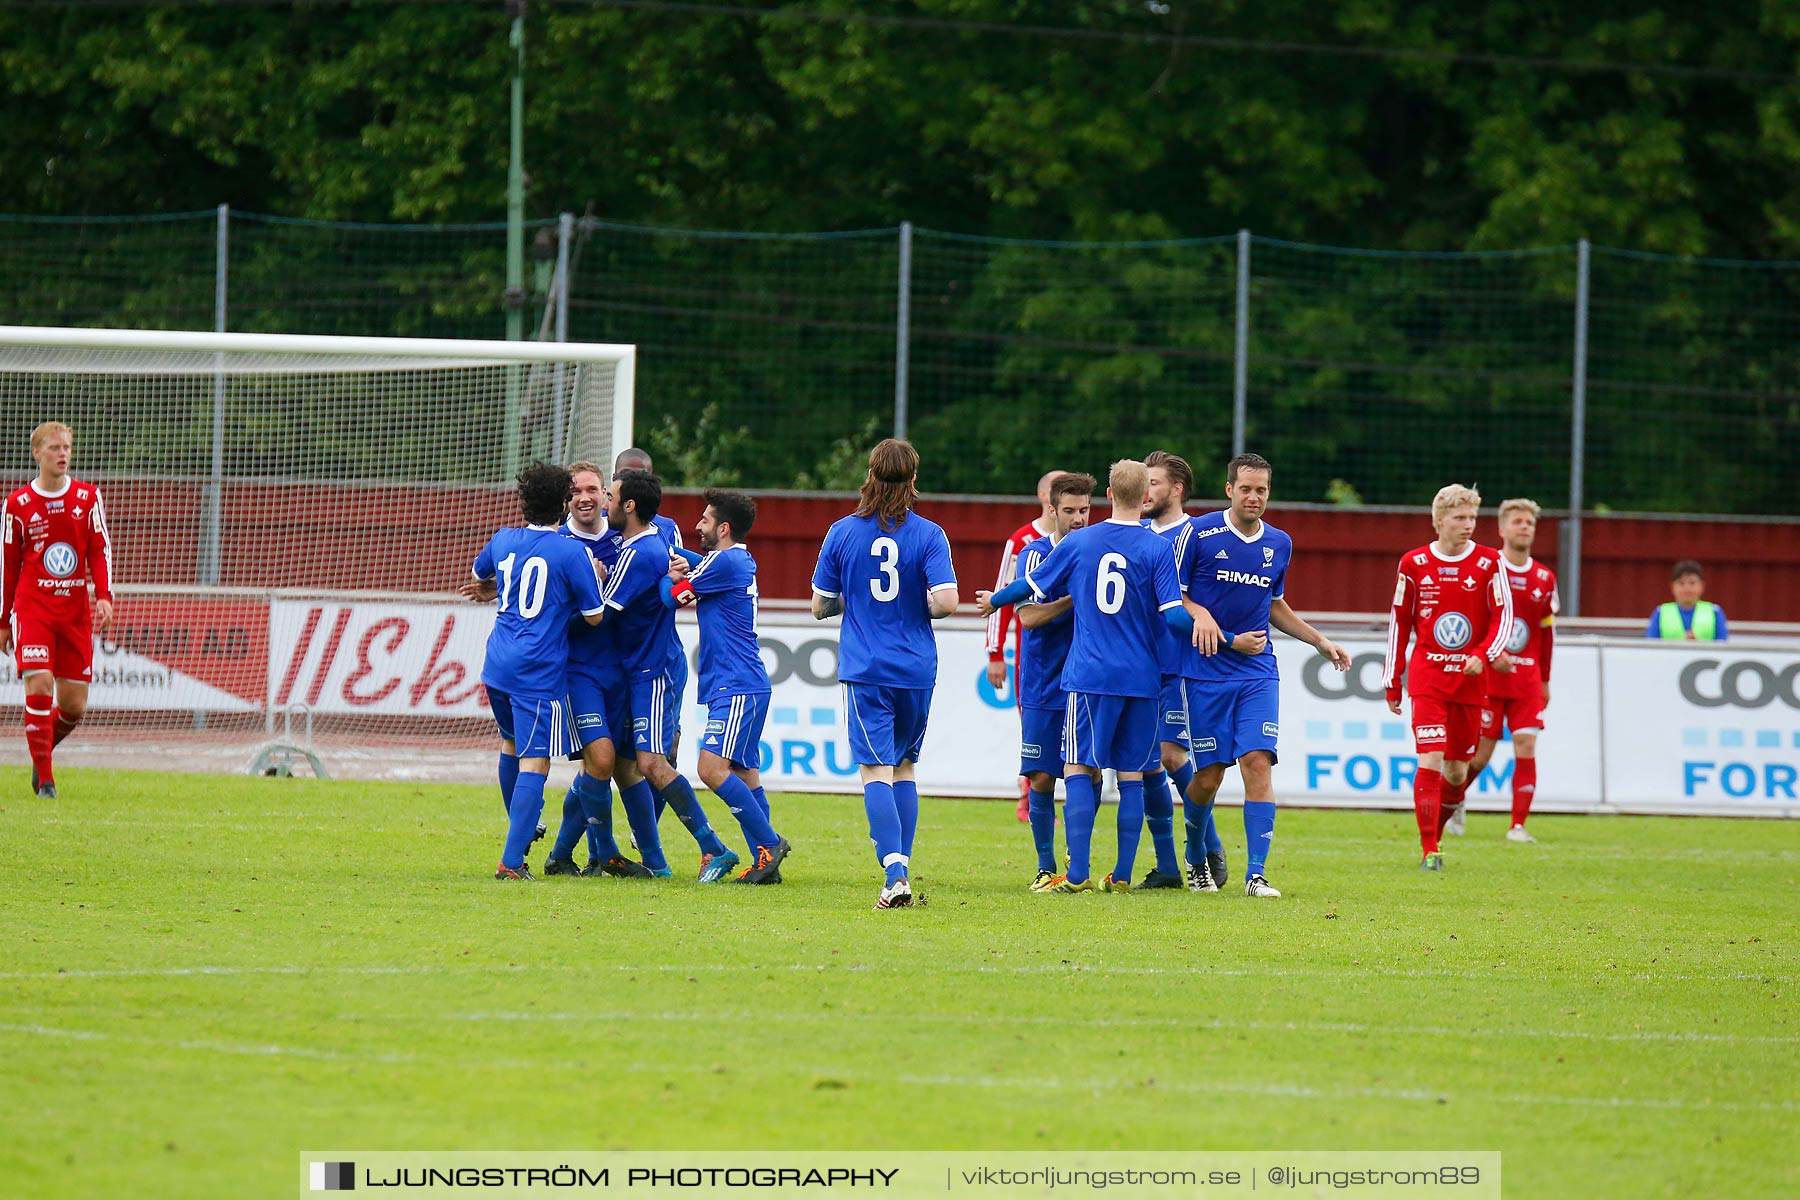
x: 206, y: 342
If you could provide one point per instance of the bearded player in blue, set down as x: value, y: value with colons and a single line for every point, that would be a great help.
x: 888, y: 571
x: 1122, y: 580
x: 1238, y: 572
x: 642, y: 617
x: 734, y: 683
x: 1044, y: 643
x: 543, y: 581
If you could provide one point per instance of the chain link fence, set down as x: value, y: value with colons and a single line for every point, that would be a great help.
x: 773, y: 360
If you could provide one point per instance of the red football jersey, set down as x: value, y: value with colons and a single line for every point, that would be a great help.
x: 1535, y: 605
x: 1002, y: 620
x: 55, y: 544
x: 1450, y: 607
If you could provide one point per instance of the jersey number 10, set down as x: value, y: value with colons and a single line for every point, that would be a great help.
x: 534, y: 578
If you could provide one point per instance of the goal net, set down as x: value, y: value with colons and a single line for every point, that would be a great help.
x: 290, y: 517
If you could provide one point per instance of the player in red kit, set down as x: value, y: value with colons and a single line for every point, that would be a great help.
x: 1516, y: 699
x: 1452, y: 600
x: 55, y: 544
x: 1004, y: 620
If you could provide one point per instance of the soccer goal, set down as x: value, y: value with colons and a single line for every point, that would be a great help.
x: 290, y: 516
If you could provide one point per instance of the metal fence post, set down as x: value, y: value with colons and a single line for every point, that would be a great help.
x: 1569, y: 551
x: 903, y: 329
x: 559, y: 296
x: 213, y: 512
x: 1240, y: 374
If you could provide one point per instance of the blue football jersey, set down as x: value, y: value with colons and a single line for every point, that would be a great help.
x: 643, y: 627
x: 1178, y: 535
x: 671, y: 532
x: 666, y: 526
x: 730, y: 662
x: 883, y: 578
x: 1122, y: 577
x: 591, y: 646
x: 1044, y: 650
x: 545, y: 581
x: 1236, y: 579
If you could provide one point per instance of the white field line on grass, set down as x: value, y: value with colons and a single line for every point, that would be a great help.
x: 1036, y: 1084
x: 1604, y: 852
x: 1183, y: 1023
x: 1711, y: 977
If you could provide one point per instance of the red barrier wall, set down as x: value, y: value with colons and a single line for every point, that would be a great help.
x: 397, y: 537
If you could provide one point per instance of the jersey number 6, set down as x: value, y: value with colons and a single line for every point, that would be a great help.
x: 1109, y: 584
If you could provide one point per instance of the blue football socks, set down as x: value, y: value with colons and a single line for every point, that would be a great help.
x: 884, y: 827
x: 1159, y: 815
x: 509, y: 775
x: 596, y: 807
x: 639, y: 803
x: 527, y: 806
x: 1079, y: 806
x: 906, y: 803
x: 1259, y: 833
x: 762, y: 802
x: 1043, y: 827
x: 742, y: 804
x: 574, y: 824
x: 1131, y: 826
x: 681, y: 798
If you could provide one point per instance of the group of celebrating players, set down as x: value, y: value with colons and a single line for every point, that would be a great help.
x: 584, y: 662
x: 1144, y: 652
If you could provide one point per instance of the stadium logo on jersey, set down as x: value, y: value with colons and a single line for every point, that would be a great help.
x: 1521, y: 633
x: 60, y: 560
x: 1452, y: 631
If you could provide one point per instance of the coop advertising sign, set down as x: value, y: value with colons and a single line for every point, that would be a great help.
x: 1639, y: 727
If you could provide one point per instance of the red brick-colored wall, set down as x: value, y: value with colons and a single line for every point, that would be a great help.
x: 398, y: 537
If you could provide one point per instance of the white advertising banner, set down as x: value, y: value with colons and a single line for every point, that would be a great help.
x: 1339, y: 743
x: 1633, y: 726
x: 382, y: 657
x: 1702, y: 728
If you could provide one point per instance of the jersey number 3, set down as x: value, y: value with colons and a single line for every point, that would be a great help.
x: 886, y: 586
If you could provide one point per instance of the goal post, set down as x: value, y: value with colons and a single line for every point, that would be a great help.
x: 291, y: 515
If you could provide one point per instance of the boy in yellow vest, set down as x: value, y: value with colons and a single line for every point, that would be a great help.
x: 1687, y: 617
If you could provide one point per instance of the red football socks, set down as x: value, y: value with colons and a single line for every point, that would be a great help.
x: 62, y: 725
x: 40, y: 733
x: 1427, y: 786
x: 1524, y: 788
x: 1451, y: 795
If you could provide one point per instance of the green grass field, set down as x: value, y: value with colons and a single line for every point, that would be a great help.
x: 203, y: 976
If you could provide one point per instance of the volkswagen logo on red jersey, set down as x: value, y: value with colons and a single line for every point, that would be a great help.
x: 60, y: 560
x: 1521, y: 633
x: 1452, y: 631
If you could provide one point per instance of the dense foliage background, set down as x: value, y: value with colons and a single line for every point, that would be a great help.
x: 1436, y: 126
